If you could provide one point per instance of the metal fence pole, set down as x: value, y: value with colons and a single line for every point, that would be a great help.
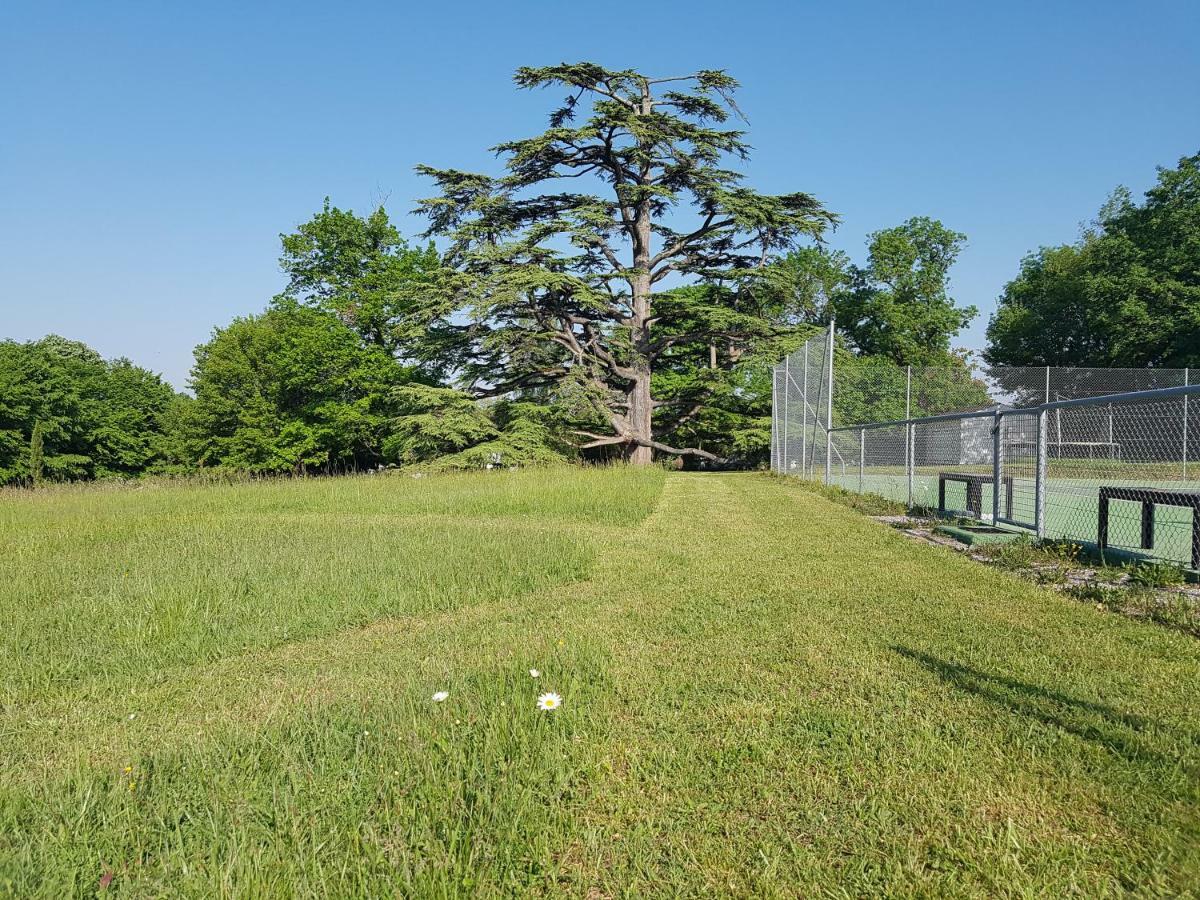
x: 909, y: 454
x: 829, y: 408
x: 774, y: 418
x: 787, y: 386
x: 1039, y: 484
x: 862, y: 454
x: 1185, y: 425
x: 804, y: 419
x: 908, y: 441
x: 997, y: 466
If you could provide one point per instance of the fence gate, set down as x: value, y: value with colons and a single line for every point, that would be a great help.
x: 1019, y: 461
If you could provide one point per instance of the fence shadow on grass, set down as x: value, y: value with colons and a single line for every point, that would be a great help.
x: 1097, y: 722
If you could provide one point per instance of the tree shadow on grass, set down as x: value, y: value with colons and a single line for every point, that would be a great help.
x: 1122, y: 733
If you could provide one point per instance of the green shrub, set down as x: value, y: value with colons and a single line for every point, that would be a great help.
x: 1018, y: 553
x: 1158, y: 573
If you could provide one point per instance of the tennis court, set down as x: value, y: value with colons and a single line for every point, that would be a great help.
x: 893, y: 431
x: 1072, y: 505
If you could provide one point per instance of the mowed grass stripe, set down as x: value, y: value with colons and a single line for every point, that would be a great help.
x: 828, y: 704
x: 765, y: 693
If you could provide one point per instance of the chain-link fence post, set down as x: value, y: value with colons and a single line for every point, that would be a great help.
x: 804, y: 419
x: 909, y: 442
x: 862, y: 455
x: 997, y: 466
x: 908, y: 393
x: 829, y: 407
x: 1039, y: 483
x: 908, y: 436
x: 1185, y: 424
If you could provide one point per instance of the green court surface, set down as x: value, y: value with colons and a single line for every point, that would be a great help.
x: 1071, y: 505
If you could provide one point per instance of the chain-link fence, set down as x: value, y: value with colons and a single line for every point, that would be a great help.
x: 1101, y: 456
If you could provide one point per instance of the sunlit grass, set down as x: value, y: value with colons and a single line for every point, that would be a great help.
x: 763, y: 693
x: 104, y: 587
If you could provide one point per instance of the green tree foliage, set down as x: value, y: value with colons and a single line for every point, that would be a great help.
x: 66, y: 413
x: 37, y: 453
x: 717, y: 391
x: 560, y: 285
x: 434, y: 421
x: 733, y: 421
x: 291, y: 390
x: 339, y: 373
x: 363, y: 271
x: 898, y: 305
x: 806, y: 284
x: 446, y: 428
x: 1127, y: 294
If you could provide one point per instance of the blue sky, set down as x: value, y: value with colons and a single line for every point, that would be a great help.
x: 151, y: 153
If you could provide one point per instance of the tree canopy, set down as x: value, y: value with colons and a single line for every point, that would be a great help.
x: 291, y: 390
x: 898, y: 305
x: 563, y: 288
x: 1127, y: 294
x: 360, y: 269
x: 68, y: 414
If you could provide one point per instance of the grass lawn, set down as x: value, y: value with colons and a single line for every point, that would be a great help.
x: 227, y: 691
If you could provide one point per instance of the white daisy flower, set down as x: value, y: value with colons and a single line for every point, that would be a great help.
x: 550, y: 701
x: 440, y: 696
x: 534, y: 673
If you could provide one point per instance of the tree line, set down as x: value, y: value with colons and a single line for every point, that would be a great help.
x: 635, y: 322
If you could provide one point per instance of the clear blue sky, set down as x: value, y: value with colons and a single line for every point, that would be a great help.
x: 150, y: 153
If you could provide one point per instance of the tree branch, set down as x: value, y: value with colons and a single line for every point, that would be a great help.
x: 708, y: 227
x: 677, y: 451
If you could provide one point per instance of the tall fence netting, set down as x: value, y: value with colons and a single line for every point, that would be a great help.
x: 1032, y: 448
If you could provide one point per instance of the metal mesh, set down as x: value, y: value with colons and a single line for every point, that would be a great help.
x: 883, y: 462
x: 1120, y: 473
x: 802, y: 394
x: 1019, y: 466
x: 1033, y: 386
x: 1139, y: 462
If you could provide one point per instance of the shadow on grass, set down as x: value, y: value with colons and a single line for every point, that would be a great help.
x: 1115, y: 730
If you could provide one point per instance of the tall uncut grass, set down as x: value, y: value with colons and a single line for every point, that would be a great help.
x: 101, y: 588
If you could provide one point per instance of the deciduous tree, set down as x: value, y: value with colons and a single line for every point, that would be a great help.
x: 291, y: 390
x: 1126, y: 294
x: 898, y: 305
x: 363, y: 271
x: 66, y: 413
